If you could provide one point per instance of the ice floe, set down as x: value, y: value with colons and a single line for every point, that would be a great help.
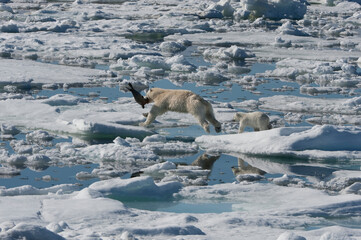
x: 317, y: 142
x: 291, y: 182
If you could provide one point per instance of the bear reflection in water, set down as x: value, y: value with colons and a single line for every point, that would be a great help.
x: 206, y: 162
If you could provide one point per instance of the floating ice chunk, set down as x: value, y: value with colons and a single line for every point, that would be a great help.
x: 353, y: 102
x: 348, y: 68
x: 180, y: 64
x: 355, y: 188
x: 231, y: 53
x: 311, y: 105
x: 4, y: 226
x: 168, y: 230
x: 306, y: 89
x: 27, y: 231
x: 17, y: 160
x: 153, y: 62
x: 293, y: 117
x: 121, y: 142
x: 127, y: 236
x: 63, y: 26
x: 6, y: 8
x: 342, y: 180
x: 87, y: 193
x: 218, y: 10
x: 107, y: 130
x: 51, y: 86
x: 172, y: 148
x: 30, y: 190
x: 115, y: 152
x: 64, y: 99
x: 85, y: 175
x: 288, y: 28
x: 323, y: 69
x: 9, y: 129
x: 345, y: 83
x: 286, y: 180
x: 8, y: 172
x: 24, y: 149
x: 17, y: 71
x: 290, y: 236
x: 47, y: 178
x: 57, y: 227
x: 39, y: 136
x: 211, y: 13
x: 279, y: 42
x: 324, y: 141
x: 136, y: 187
x: 208, y: 77
x: 172, y: 47
x: 249, y: 177
x: 158, y: 170
x: 155, y: 138
x: 189, y: 171
x: 9, y: 28
x: 276, y: 10
x: 105, y: 173
x: 38, y: 161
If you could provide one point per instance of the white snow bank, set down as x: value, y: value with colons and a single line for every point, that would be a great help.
x: 228, y: 54
x: 283, y: 103
x: 317, y: 142
x: 90, y: 120
x: 30, y: 190
x: 136, y: 187
x: 92, y: 129
x: 120, y: 151
x: 14, y: 71
x: 27, y: 231
x: 8, y: 129
x: 274, y: 9
x: 64, y: 99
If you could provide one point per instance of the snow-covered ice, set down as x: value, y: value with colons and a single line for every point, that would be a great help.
x: 75, y: 164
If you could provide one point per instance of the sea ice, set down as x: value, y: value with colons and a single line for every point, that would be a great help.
x: 308, y: 189
x: 317, y: 142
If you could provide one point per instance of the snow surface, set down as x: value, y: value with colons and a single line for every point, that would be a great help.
x: 291, y: 182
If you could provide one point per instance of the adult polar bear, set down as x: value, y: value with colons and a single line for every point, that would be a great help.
x: 183, y: 101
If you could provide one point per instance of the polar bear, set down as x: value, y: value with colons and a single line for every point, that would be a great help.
x: 258, y: 120
x: 183, y: 101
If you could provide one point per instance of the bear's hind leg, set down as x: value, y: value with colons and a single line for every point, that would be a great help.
x: 203, y: 122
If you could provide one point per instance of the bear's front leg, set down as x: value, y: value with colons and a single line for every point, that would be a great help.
x: 241, y: 128
x: 153, y: 113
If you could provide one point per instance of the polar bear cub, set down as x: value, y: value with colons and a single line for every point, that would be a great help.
x: 183, y: 101
x: 257, y: 120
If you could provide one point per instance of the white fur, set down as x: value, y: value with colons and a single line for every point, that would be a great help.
x: 183, y: 101
x: 257, y: 120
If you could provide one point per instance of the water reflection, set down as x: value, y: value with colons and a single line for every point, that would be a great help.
x: 205, y: 161
x: 245, y: 168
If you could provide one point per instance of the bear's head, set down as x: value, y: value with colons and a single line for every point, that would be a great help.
x: 238, y: 116
x: 152, y: 94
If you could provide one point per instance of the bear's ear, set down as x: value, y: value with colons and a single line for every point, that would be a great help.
x: 238, y: 116
x: 148, y: 90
